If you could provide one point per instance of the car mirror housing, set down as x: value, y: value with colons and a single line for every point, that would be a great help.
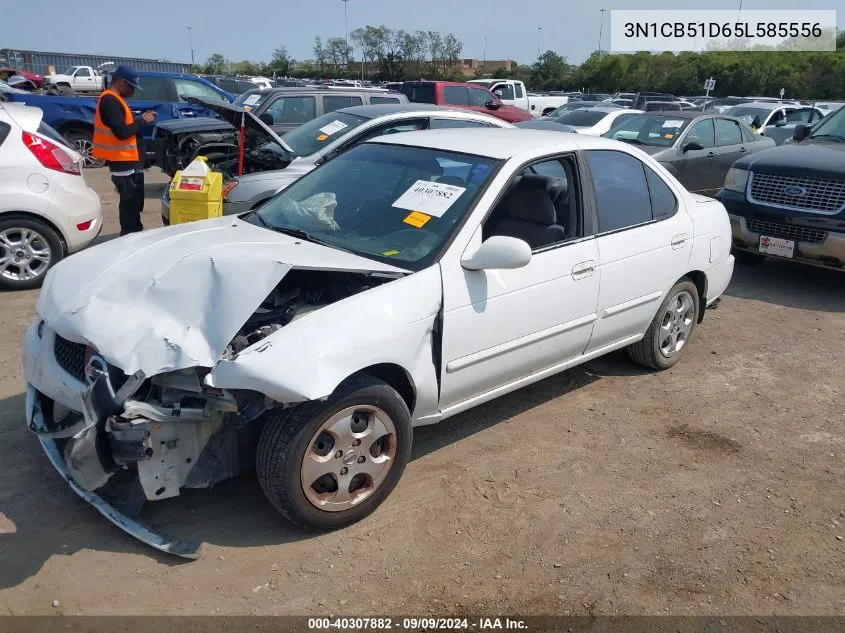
x: 692, y: 145
x: 801, y: 132
x: 499, y: 252
x: 493, y: 105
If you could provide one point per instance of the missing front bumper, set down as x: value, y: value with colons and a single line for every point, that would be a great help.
x: 161, y: 542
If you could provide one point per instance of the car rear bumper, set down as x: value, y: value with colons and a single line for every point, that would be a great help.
x: 72, y: 207
x: 718, y: 278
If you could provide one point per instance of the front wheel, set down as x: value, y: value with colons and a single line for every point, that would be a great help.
x: 670, y: 330
x: 326, y: 465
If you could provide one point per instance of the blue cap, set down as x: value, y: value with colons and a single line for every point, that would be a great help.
x: 128, y: 74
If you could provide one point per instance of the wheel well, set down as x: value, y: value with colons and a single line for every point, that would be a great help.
x: 396, y: 377
x: 37, y: 218
x: 74, y: 126
x: 63, y: 83
x: 700, y: 280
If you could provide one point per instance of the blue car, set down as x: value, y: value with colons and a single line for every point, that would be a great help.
x: 165, y: 93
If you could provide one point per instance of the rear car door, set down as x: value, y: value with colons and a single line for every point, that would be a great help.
x: 697, y: 167
x: 730, y: 147
x: 644, y: 242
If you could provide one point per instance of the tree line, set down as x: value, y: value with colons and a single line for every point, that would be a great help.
x: 394, y: 55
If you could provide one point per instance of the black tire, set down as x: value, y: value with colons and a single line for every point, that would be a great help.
x: 748, y: 259
x: 647, y: 352
x: 46, y: 235
x: 83, y: 141
x: 288, y: 433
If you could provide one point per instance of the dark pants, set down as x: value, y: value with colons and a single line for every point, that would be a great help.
x: 131, y: 190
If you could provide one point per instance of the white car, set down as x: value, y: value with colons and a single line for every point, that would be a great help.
x: 46, y: 209
x: 411, y: 278
x: 597, y: 120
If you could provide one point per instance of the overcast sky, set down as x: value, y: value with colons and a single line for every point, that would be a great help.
x: 252, y: 29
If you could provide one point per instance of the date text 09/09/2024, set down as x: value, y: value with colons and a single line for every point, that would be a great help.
x: 723, y: 29
x: 414, y: 624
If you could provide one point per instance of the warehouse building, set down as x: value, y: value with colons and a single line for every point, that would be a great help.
x: 41, y: 62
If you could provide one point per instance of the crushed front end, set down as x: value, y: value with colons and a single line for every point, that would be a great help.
x: 121, y: 440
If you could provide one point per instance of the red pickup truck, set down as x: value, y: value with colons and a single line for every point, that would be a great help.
x: 460, y: 95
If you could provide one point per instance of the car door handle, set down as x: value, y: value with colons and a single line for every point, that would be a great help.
x: 583, y: 269
x: 711, y: 154
x: 679, y: 240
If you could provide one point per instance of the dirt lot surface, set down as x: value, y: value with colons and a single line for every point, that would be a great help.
x: 712, y: 488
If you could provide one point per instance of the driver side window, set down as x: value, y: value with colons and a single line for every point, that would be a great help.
x: 702, y: 133
x: 504, y: 92
x: 393, y: 128
x: 541, y: 206
x: 479, y: 97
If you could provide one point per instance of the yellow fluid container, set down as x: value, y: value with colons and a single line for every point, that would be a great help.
x: 196, y: 193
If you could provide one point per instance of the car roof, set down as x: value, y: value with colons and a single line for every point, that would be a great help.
x: 328, y: 91
x: 683, y: 114
x: 384, y: 109
x: 500, y: 143
x: 606, y: 108
x: 763, y: 105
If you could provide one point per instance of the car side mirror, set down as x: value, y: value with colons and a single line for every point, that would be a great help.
x: 493, y: 105
x: 266, y: 118
x: 756, y: 122
x: 692, y: 146
x: 780, y: 123
x: 499, y: 252
x: 801, y: 132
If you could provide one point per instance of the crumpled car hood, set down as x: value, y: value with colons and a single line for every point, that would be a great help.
x: 174, y: 298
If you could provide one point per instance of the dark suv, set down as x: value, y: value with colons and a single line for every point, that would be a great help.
x: 789, y: 201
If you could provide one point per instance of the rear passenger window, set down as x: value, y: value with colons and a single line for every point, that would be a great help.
x: 663, y: 201
x: 378, y: 100
x: 621, y: 190
x: 456, y: 95
x: 332, y: 103
x: 439, y: 124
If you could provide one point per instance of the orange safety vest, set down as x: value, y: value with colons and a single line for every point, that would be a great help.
x: 106, y: 145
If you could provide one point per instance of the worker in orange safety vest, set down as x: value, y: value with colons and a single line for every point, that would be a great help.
x: 118, y: 140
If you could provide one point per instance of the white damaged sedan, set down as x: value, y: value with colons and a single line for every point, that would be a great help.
x: 413, y: 277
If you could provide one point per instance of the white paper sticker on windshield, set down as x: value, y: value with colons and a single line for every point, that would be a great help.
x: 433, y: 198
x: 252, y: 100
x: 673, y: 123
x: 333, y: 127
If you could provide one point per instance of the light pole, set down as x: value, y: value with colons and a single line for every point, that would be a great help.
x: 191, y: 44
x: 484, y: 60
x: 601, y: 27
x: 539, y: 29
x: 346, y: 36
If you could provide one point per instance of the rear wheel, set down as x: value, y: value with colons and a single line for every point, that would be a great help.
x: 670, y: 330
x: 83, y: 142
x: 326, y: 465
x: 28, y: 249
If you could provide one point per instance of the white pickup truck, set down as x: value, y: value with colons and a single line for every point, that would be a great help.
x: 514, y: 93
x: 79, y: 78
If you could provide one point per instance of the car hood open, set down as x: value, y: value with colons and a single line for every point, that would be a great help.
x: 232, y: 114
x: 174, y: 298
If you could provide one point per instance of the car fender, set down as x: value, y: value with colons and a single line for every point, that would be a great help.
x: 307, y: 359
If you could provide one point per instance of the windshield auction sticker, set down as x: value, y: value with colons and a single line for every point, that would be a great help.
x: 333, y: 128
x: 431, y: 198
x: 251, y: 100
x: 721, y: 30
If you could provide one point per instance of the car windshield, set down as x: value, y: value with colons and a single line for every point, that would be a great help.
x: 644, y: 129
x: 309, y: 138
x: 583, y: 118
x: 69, y: 71
x: 393, y: 203
x: 567, y: 107
x: 747, y: 114
x: 832, y: 126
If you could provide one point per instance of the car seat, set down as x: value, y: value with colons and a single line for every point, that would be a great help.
x: 531, y: 216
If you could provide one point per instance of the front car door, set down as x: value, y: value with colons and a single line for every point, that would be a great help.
x: 186, y: 87
x: 697, y: 167
x: 502, y: 326
x: 157, y: 95
x: 456, y: 96
x: 285, y: 112
x: 644, y: 241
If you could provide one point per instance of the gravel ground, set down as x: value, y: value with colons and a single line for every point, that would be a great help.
x: 712, y: 488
